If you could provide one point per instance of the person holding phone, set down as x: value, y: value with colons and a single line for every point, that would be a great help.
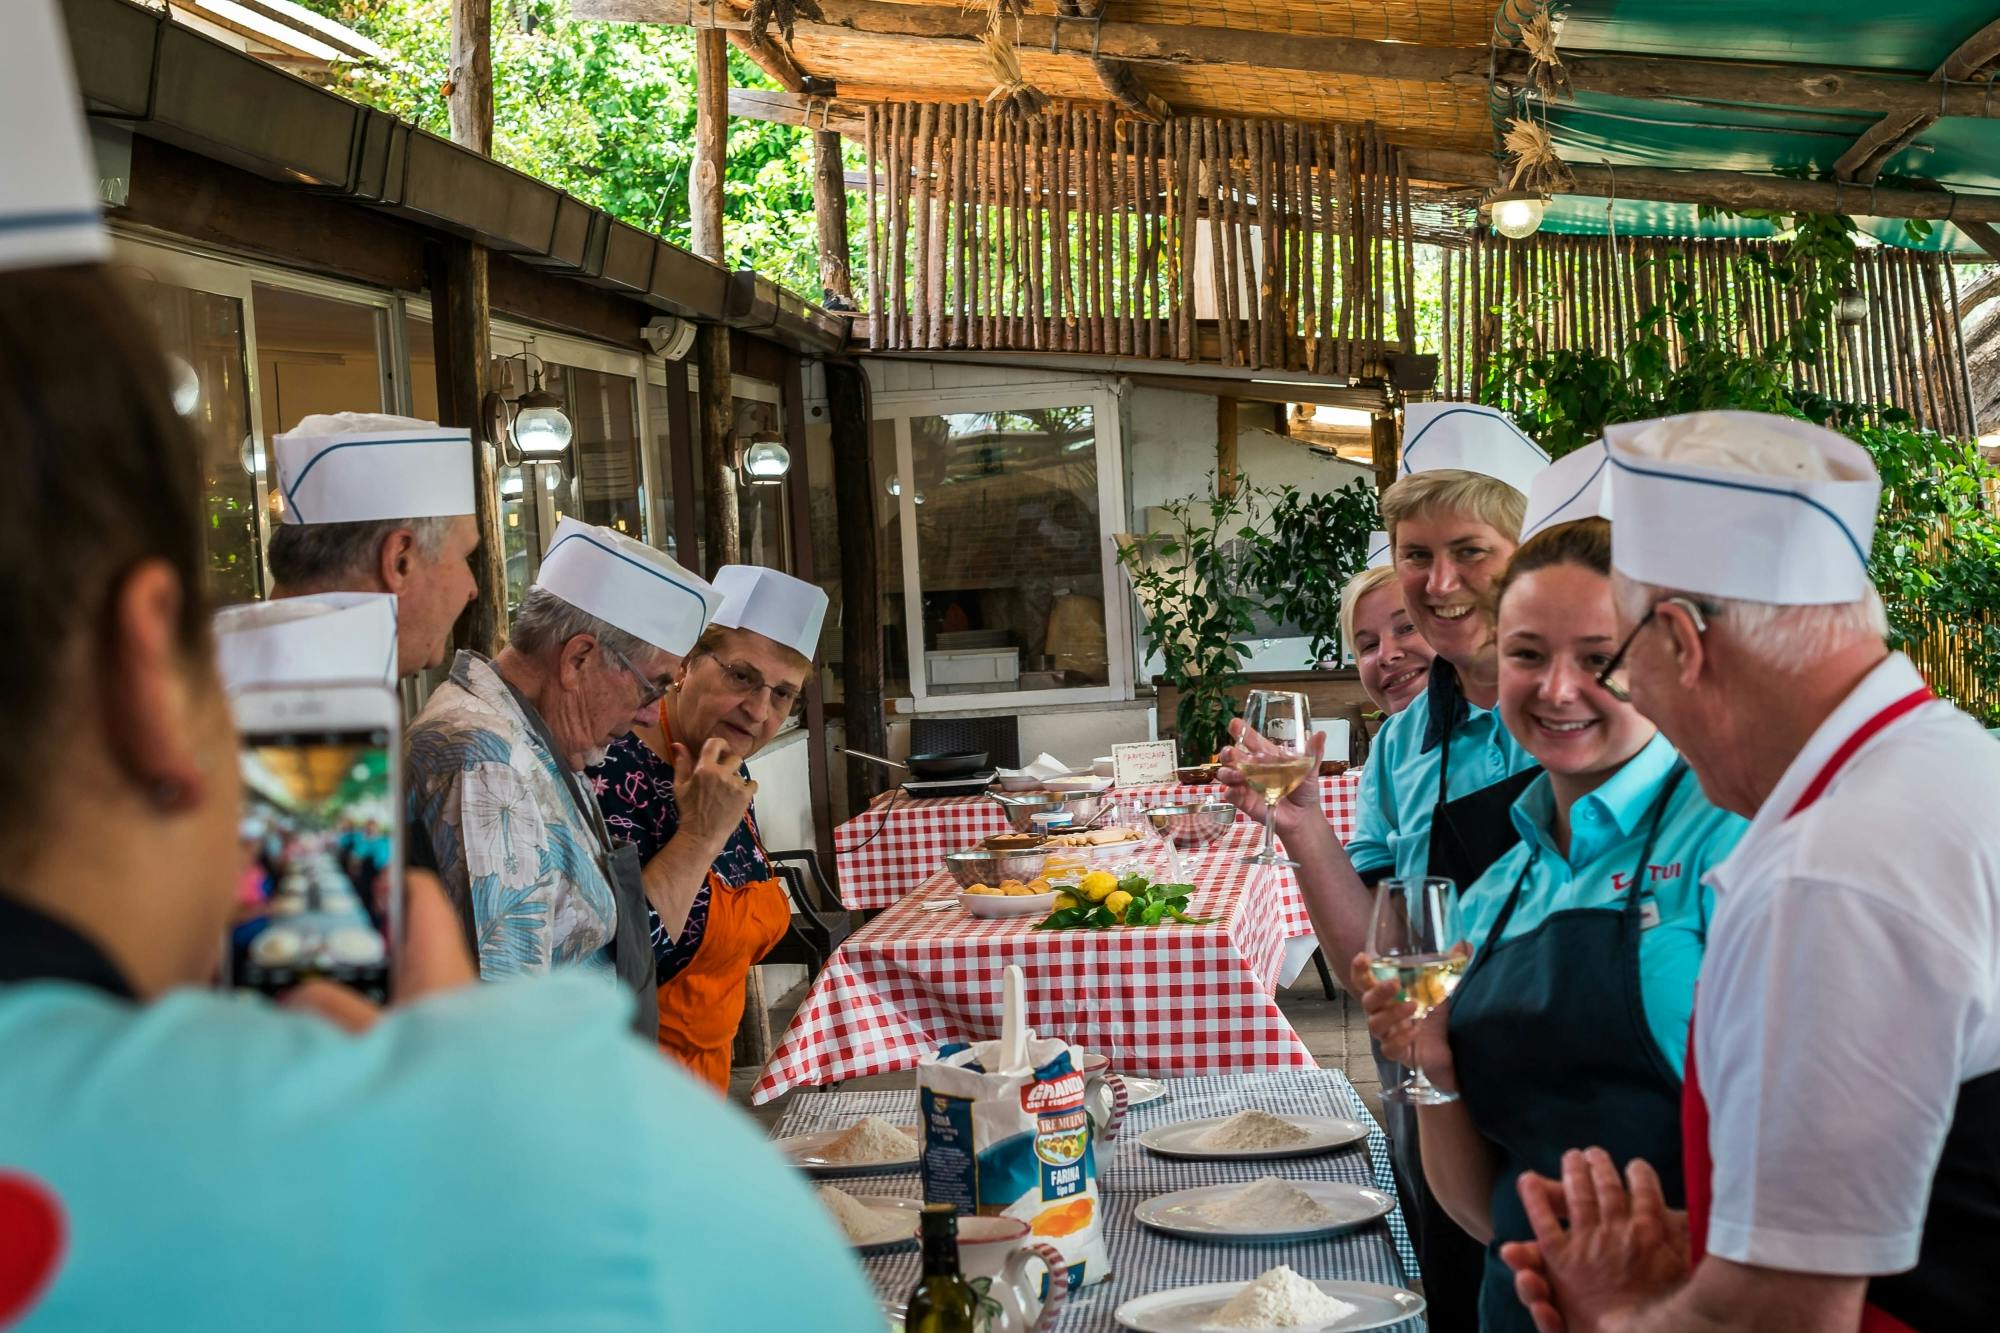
x: 1570, y: 1022
x: 378, y: 504
x: 678, y: 788
x: 172, y: 1157
x: 497, y: 797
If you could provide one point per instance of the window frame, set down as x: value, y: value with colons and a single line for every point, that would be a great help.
x: 899, y: 407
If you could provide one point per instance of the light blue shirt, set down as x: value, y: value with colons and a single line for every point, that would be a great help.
x: 1607, y: 833
x: 506, y: 1157
x: 1399, y: 784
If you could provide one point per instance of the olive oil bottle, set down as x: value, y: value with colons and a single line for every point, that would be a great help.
x: 944, y: 1302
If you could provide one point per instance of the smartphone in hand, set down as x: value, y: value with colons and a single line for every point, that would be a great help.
x: 321, y: 893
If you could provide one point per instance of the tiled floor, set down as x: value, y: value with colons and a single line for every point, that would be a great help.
x: 1333, y: 1031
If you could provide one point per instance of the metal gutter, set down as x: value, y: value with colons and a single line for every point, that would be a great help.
x: 140, y: 67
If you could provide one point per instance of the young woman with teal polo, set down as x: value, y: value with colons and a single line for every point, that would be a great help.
x: 1570, y: 1024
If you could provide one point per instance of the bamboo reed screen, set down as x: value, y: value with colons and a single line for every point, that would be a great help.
x: 1588, y: 293
x: 1075, y: 231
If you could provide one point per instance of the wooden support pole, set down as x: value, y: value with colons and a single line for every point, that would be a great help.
x: 1225, y: 447
x: 861, y: 683
x: 464, y: 353
x: 718, y: 464
x: 470, y: 99
x: 836, y: 277
x: 1382, y: 443
x: 711, y: 143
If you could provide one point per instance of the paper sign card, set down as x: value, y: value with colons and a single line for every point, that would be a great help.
x: 1143, y: 763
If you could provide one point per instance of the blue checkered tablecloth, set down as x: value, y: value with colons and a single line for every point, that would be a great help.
x: 1145, y: 1261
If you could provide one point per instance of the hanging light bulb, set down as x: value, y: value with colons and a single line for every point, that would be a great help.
x: 541, y: 428
x: 895, y: 486
x: 1853, y: 306
x: 1518, y: 218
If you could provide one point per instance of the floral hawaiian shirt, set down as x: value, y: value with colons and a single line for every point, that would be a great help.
x: 509, y: 828
x: 635, y: 789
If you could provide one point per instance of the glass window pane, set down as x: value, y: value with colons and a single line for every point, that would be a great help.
x: 203, y: 337
x: 315, y: 355
x: 1008, y: 550
x: 420, y: 341
x: 659, y: 424
x: 604, y: 454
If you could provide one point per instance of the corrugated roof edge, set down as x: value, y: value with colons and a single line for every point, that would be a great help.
x: 168, y: 82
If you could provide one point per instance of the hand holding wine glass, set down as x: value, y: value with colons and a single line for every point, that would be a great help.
x: 1246, y: 746
x: 1393, y: 1023
x: 1414, y: 940
x: 1275, y: 769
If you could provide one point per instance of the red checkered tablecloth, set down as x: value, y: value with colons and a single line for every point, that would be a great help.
x: 1164, y: 1000
x: 888, y: 849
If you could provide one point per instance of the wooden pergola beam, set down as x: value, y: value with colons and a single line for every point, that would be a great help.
x: 1652, y: 78
x: 1865, y: 157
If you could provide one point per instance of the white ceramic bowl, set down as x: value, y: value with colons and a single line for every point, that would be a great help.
x: 1103, y: 767
x: 998, y: 904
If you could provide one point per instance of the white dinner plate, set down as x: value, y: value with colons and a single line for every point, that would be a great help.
x: 1139, y: 1091
x: 1188, y: 1309
x: 1180, y: 1213
x: 1180, y: 1140
x: 1001, y: 905
x: 806, y: 1152
x: 905, y: 1212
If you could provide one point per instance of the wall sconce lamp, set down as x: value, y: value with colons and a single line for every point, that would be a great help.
x: 764, y: 460
x: 534, y: 424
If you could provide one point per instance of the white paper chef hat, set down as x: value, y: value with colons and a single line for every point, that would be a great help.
x: 1743, y: 505
x: 628, y: 584
x: 1381, y: 554
x: 779, y: 607
x: 323, y: 638
x: 1469, y: 437
x: 357, y: 467
x: 1577, y: 485
x: 48, y: 178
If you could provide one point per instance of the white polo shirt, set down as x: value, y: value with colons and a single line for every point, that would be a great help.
x: 1852, y: 983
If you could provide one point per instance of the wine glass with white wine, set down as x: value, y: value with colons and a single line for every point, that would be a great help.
x: 1282, y: 719
x: 1414, y: 941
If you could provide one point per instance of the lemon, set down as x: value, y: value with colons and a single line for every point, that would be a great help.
x: 1098, y: 885
x: 1066, y: 900
x: 1118, y: 900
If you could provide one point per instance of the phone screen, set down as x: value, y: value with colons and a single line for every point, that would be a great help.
x: 322, y: 874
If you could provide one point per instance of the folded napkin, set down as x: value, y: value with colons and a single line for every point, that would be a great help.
x: 1044, y: 767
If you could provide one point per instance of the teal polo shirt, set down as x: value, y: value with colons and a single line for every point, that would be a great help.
x: 504, y: 1157
x: 1399, y: 785
x: 1607, y: 834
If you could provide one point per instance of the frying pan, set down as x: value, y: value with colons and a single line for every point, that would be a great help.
x: 933, y: 767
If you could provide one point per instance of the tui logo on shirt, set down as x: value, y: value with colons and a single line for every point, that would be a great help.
x: 1621, y: 881
x: 31, y: 1243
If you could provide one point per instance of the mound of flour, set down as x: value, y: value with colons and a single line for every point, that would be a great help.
x: 1270, y: 1205
x: 861, y: 1224
x: 1280, y: 1299
x: 871, y: 1140
x: 1251, y: 1130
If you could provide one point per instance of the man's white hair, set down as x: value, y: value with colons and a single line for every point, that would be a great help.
x: 546, y: 622
x: 1785, y: 639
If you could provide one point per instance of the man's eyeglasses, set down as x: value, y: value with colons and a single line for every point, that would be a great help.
x: 650, y: 691
x: 746, y: 681
x: 1609, y: 680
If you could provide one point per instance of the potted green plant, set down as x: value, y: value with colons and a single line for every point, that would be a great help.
x: 1195, y: 610
x: 1309, y: 546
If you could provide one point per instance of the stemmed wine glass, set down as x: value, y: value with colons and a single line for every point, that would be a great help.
x: 1414, y: 940
x: 1281, y: 718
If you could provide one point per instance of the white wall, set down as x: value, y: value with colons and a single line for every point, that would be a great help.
x: 1170, y: 450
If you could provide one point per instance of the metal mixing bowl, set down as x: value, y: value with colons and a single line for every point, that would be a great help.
x: 1022, y: 807
x: 976, y: 865
x: 1193, y: 825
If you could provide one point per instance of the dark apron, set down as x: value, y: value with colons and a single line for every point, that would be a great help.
x: 618, y: 861
x: 1552, y: 1049
x: 1467, y: 836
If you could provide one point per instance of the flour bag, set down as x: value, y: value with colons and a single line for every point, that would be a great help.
x: 1019, y: 1146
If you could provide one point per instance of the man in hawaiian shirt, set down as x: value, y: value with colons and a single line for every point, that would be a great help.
x: 494, y: 763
